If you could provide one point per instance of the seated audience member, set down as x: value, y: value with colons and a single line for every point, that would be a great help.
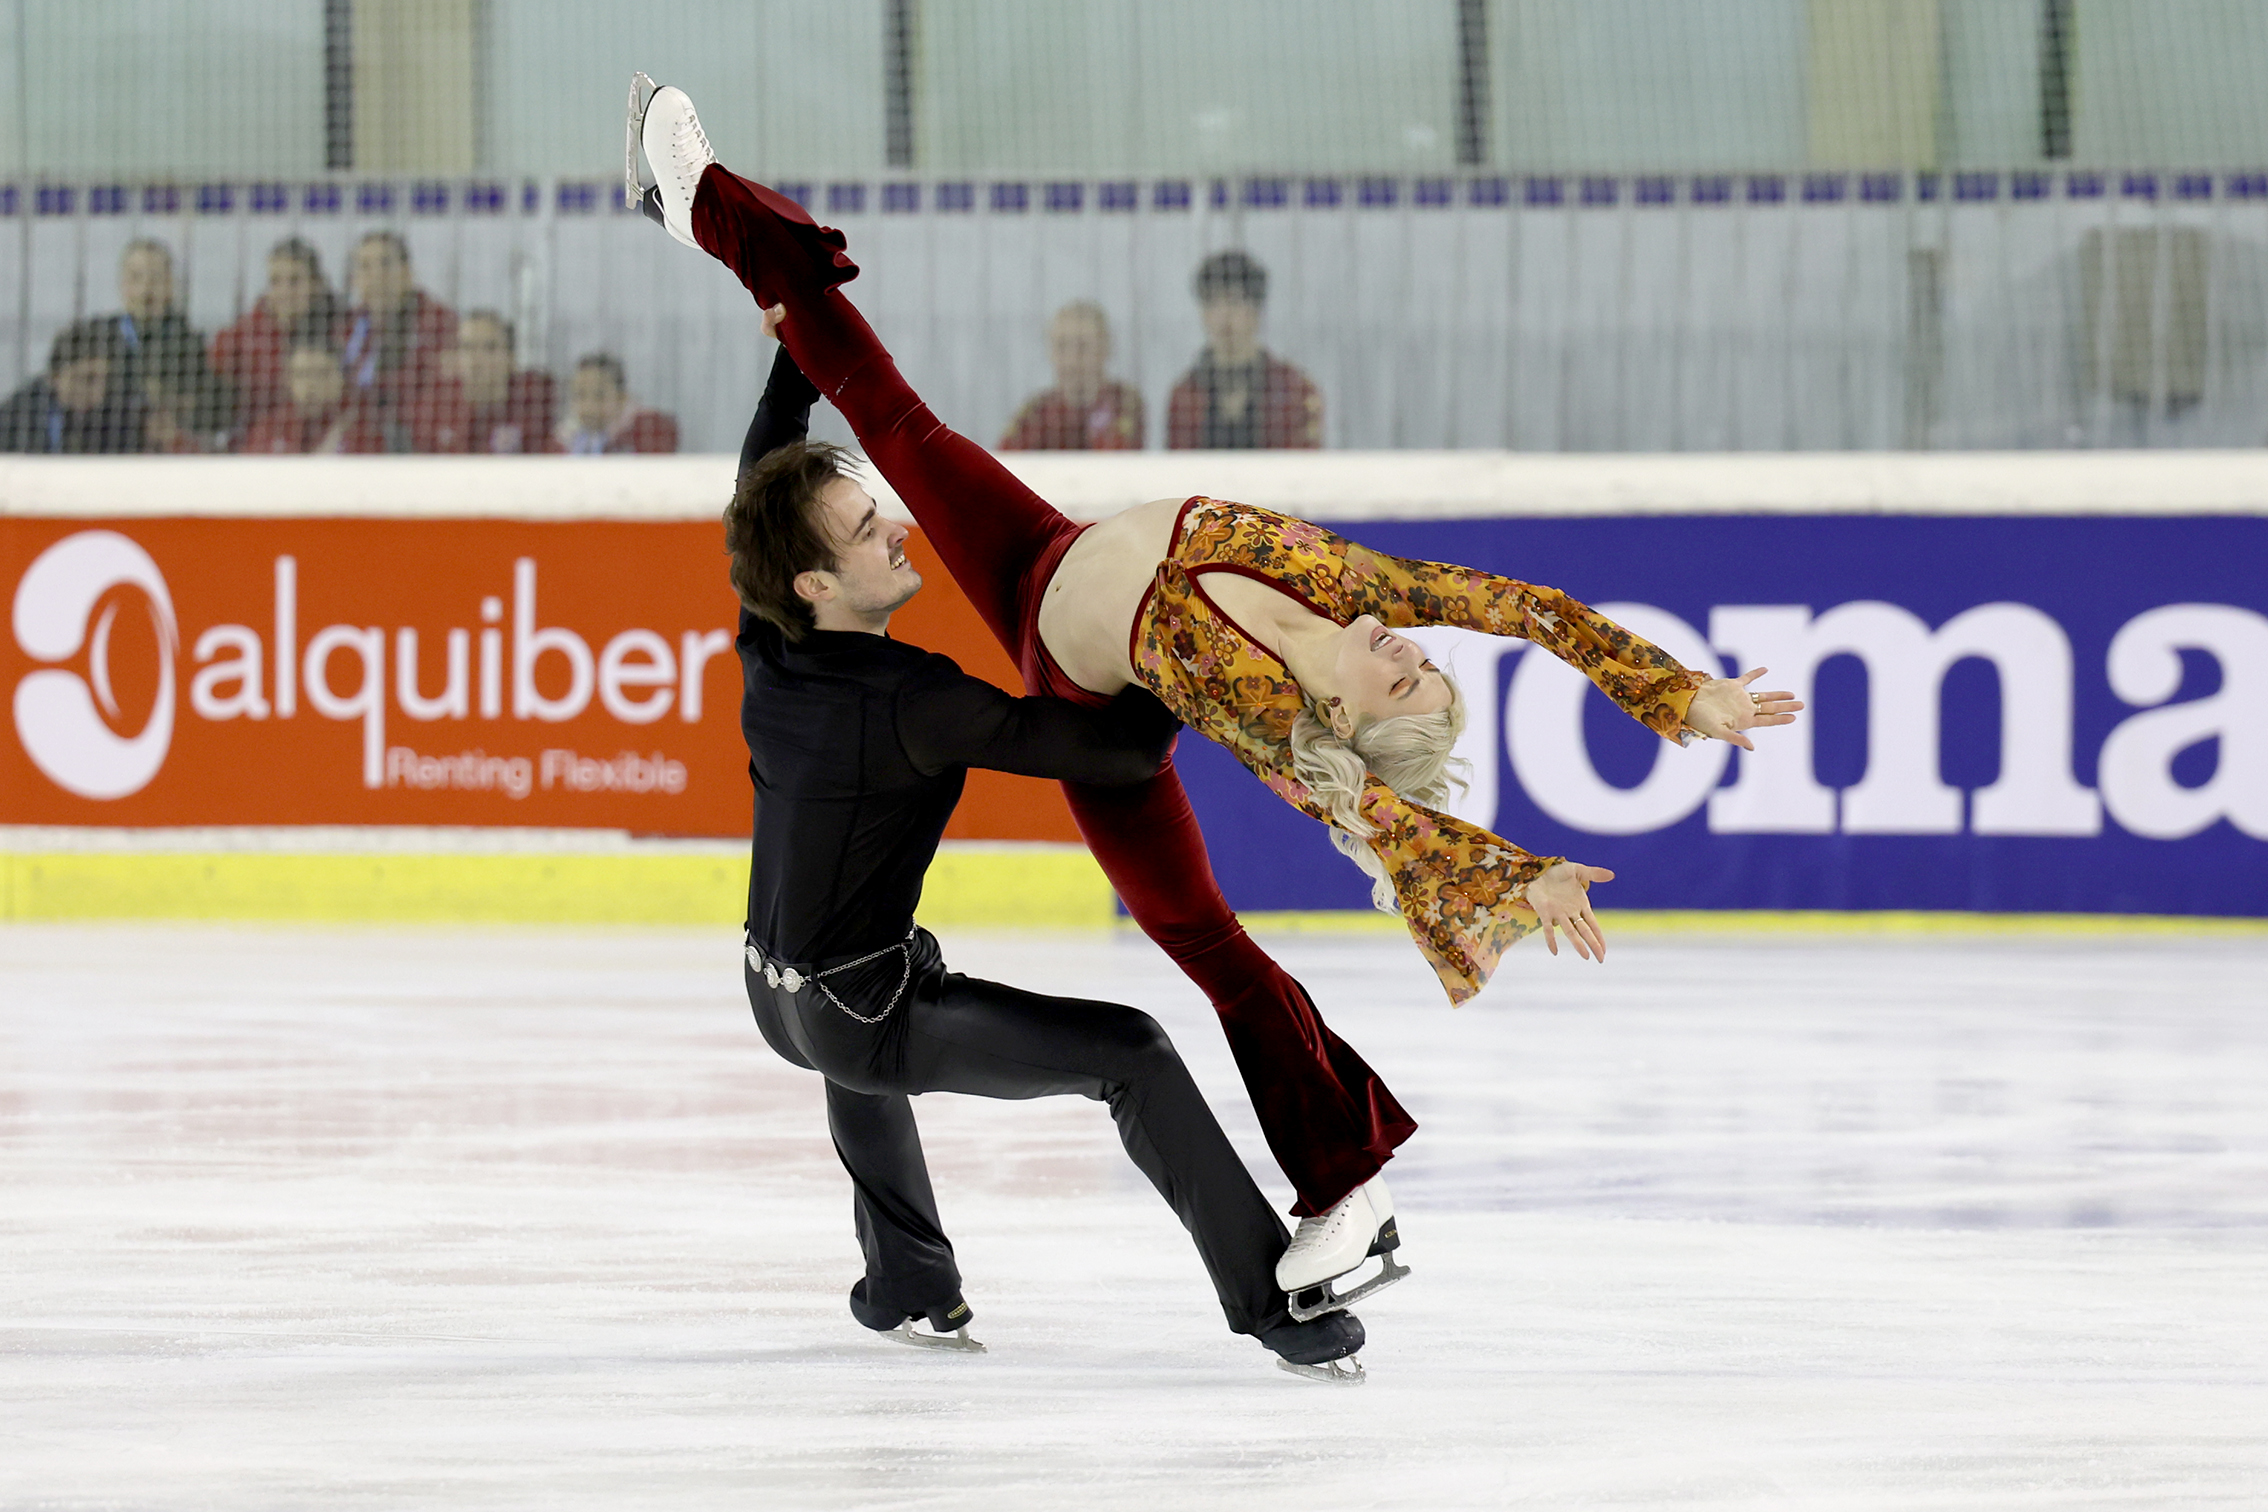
x: 483, y: 405
x: 155, y: 343
x: 1085, y: 411
x: 167, y: 421
x: 78, y: 405
x: 249, y: 355
x: 320, y: 412
x: 393, y: 339
x: 603, y: 420
x: 1240, y: 395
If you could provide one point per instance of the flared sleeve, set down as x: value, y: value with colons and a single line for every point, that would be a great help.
x: 1460, y: 889
x: 1646, y: 682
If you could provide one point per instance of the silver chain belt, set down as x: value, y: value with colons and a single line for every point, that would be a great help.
x: 776, y: 975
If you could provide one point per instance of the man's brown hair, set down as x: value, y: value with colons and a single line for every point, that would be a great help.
x: 774, y: 530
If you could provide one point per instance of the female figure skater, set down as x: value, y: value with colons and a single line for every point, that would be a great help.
x: 1270, y: 635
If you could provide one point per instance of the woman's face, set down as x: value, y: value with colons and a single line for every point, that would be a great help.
x: 1382, y: 675
x: 291, y: 289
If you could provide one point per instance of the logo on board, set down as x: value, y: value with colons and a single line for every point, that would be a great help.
x: 77, y: 600
x: 64, y: 717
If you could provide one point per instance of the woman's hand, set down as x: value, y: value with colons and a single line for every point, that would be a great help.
x: 1561, y: 898
x: 772, y: 319
x: 1724, y: 706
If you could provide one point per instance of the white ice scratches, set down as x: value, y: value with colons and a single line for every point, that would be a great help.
x: 534, y: 1219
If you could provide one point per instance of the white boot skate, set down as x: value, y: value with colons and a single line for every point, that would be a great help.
x: 677, y: 151
x: 1332, y: 1244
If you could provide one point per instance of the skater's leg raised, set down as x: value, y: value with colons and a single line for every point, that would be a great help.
x: 988, y: 527
x: 1330, y: 1121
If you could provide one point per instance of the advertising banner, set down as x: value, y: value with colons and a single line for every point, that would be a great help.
x: 2038, y: 713
x: 2006, y: 714
x: 200, y: 671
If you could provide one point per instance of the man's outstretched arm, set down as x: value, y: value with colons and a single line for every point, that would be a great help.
x: 947, y: 718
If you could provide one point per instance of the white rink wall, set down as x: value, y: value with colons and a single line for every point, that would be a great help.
x: 1332, y: 485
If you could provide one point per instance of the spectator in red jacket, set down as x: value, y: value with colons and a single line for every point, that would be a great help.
x: 1240, y: 395
x: 603, y: 419
x: 320, y: 413
x: 483, y: 404
x: 298, y: 301
x: 393, y: 339
x: 1086, y: 410
x: 170, y: 419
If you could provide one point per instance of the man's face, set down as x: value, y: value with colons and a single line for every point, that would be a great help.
x: 872, y: 578
x: 596, y: 400
x: 381, y: 276
x: 145, y: 283
x: 1079, y: 346
x: 315, y: 380
x: 483, y: 361
x: 82, y: 383
x: 291, y: 289
x: 1232, y: 327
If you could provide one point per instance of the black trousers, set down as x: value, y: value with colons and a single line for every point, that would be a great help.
x: 952, y: 1033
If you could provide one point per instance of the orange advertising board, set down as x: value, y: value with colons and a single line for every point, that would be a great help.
x: 390, y: 671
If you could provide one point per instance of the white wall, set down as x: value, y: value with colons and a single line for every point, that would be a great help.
x: 158, y: 87
x: 2167, y: 82
x: 235, y: 87
x: 794, y: 85
x: 1633, y: 85
x: 1186, y: 85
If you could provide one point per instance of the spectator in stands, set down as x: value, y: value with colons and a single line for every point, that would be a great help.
x: 249, y: 355
x: 1085, y: 411
x: 157, y: 345
x: 393, y: 339
x: 321, y: 411
x: 1240, y: 395
x: 605, y: 420
x: 168, y: 426
x: 78, y: 405
x: 483, y: 404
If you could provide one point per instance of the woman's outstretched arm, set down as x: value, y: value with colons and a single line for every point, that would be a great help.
x: 1649, y: 684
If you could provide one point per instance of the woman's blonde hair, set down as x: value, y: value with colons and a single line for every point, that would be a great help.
x: 1414, y: 754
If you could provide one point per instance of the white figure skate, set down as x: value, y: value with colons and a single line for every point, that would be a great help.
x: 1333, y: 1244
x: 677, y: 152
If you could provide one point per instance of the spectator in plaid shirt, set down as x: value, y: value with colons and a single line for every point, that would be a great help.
x: 1240, y: 395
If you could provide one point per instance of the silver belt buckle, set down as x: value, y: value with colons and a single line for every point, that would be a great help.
x: 791, y: 978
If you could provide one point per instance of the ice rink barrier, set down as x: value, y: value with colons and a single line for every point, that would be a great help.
x: 503, y: 688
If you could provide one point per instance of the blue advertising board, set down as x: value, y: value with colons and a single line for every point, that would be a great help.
x: 2019, y: 714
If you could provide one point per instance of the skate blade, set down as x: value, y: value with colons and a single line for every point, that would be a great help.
x: 958, y: 1341
x: 1346, y: 1372
x: 641, y: 95
x: 1389, y: 1272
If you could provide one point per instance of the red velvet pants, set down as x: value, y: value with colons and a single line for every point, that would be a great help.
x: 1329, y: 1120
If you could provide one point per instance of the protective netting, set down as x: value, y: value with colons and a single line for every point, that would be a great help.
x: 395, y: 225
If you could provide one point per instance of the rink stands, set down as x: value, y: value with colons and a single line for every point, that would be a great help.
x: 502, y: 689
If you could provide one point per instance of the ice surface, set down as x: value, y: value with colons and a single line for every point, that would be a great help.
x: 478, y: 1219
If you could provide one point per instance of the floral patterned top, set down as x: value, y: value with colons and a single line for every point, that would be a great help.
x: 1461, y: 889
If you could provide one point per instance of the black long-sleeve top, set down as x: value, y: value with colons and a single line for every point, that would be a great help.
x: 859, y: 746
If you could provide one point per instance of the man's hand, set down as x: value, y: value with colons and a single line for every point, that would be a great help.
x: 772, y: 319
x: 1724, y: 706
x: 1561, y: 898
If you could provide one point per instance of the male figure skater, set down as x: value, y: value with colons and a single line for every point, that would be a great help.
x: 859, y: 746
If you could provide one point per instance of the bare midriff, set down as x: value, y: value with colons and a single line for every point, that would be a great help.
x: 1097, y: 590
x: 1094, y: 601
